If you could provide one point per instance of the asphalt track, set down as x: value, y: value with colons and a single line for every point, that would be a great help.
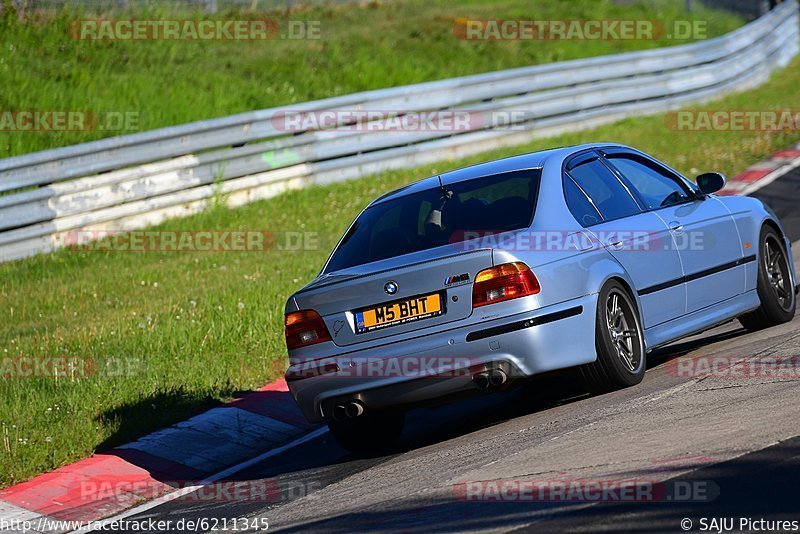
x: 734, y: 440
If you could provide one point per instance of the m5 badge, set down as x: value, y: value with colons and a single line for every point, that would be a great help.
x: 456, y: 280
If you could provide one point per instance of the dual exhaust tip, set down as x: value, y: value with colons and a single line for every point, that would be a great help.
x: 485, y: 381
x: 490, y: 379
x: 348, y: 410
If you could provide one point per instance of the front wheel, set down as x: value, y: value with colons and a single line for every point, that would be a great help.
x: 372, y: 432
x: 619, y: 341
x: 775, y: 287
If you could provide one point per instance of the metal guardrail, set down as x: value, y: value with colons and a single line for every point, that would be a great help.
x: 129, y: 182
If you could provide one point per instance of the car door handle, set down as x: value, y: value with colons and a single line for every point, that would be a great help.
x: 676, y: 228
x: 616, y: 244
x: 580, y: 241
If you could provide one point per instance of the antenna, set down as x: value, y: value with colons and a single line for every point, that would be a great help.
x: 435, y: 216
x: 446, y: 195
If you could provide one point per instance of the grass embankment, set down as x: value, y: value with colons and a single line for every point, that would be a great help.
x: 359, y: 48
x: 172, y: 333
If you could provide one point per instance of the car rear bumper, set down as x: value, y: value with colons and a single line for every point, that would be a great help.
x: 442, y: 364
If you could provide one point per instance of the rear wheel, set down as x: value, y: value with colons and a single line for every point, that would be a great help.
x: 372, y: 432
x: 775, y: 288
x: 619, y: 341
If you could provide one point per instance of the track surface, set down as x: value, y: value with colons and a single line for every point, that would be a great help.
x: 781, y: 196
x: 739, y: 438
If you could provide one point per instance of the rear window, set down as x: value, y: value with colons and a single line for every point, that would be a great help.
x: 438, y: 216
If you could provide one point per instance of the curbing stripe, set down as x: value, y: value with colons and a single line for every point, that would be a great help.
x: 274, y: 400
x: 159, y: 468
x: 107, y: 484
x: 63, y: 494
x: 184, y: 446
x: 16, y: 518
x: 241, y: 426
x: 764, y: 172
x: 319, y: 431
x: 210, y: 451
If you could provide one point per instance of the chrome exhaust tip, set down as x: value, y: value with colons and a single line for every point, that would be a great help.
x: 340, y: 412
x: 497, y: 378
x: 354, y: 409
x: 481, y: 381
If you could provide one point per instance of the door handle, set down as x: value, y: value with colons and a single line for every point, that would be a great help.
x: 616, y: 244
x: 676, y: 228
x: 580, y: 241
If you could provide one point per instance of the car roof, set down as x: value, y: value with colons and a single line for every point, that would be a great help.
x: 532, y: 160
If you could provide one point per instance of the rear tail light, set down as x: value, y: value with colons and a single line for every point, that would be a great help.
x: 303, y: 328
x: 504, y: 282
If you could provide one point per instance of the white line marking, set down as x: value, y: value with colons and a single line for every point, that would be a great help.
x: 12, y: 513
x: 213, y: 478
x: 769, y: 178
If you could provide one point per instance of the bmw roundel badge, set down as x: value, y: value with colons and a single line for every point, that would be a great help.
x: 390, y: 287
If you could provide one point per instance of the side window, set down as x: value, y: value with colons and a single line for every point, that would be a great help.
x: 579, y: 205
x: 607, y: 193
x: 655, y: 186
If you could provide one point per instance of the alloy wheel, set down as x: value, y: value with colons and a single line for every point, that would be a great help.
x: 777, y: 270
x: 623, y: 330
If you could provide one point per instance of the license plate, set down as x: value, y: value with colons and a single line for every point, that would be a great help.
x: 399, y: 312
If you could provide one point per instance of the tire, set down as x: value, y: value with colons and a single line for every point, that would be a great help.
x: 775, y: 288
x: 619, y: 340
x: 373, y: 432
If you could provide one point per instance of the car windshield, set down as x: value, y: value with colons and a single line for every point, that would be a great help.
x: 438, y: 216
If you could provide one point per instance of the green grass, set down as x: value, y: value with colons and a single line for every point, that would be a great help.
x: 361, y: 47
x: 203, y: 326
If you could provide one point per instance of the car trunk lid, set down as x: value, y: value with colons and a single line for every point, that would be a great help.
x: 411, y: 296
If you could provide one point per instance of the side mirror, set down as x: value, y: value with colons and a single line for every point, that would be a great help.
x: 710, y: 182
